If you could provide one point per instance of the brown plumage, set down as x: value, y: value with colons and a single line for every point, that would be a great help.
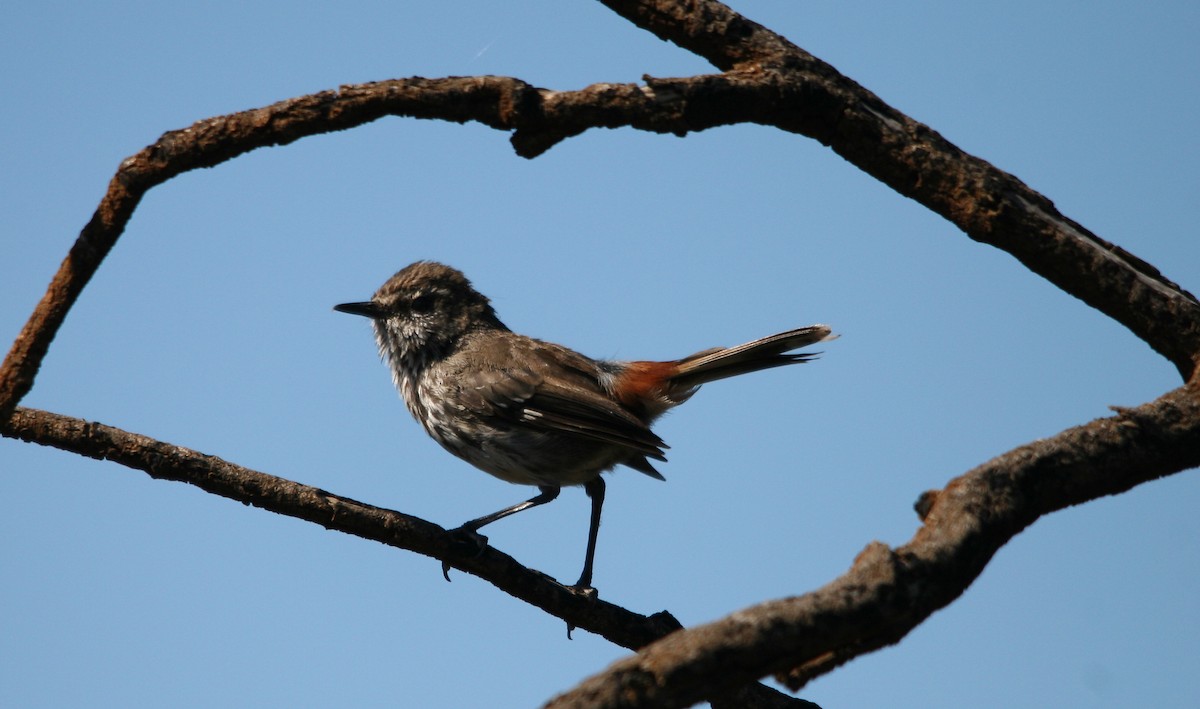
x: 533, y: 412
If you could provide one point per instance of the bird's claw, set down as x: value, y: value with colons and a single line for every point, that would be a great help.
x: 586, y: 591
x: 464, y: 542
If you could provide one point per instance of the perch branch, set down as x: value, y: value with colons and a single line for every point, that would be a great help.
x: 165, y: 461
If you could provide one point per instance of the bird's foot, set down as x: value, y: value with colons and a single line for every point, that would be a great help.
x: 584, y: 590
x: 466, y: 542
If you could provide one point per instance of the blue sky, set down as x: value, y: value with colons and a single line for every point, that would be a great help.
x: 210, y: 326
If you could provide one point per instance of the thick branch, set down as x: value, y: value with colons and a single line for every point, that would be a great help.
x: 706, y: 29
x: 888, y: 592
x: 810, y: 97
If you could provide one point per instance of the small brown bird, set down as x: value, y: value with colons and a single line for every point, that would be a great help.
x: 533, y: 412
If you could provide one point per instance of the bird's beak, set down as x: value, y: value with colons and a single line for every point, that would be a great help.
x: 369, y: 309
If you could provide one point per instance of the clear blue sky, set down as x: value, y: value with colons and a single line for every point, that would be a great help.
x: 210, y: 326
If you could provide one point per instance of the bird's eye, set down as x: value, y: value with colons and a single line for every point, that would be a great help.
x: 422, y: 303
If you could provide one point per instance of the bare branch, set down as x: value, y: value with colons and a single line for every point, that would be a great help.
x: 888, y: 592
x: 989, y: 205
x: 707, y: 29
x: 164, y: 461
x: 489, y: 100
x: 796, y: 93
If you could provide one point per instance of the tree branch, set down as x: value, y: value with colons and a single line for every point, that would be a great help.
x: 795, y: 92
x: 888, y: 592
x: 707, y: 29
x: 812, y: 98
x: 489, y: 100
x: 164, y: 461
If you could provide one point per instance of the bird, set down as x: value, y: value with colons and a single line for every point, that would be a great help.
x: 533, y: 412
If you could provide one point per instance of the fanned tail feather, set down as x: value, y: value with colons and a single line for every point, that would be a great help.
x: 763, y: 353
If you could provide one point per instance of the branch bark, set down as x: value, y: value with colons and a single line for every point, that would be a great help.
x: 888, y: 592
x: 784, y: 86
x: 809, y: 97
x: 209, y: 142
x: 165, y: 461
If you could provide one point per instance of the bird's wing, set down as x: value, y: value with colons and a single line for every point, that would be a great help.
x: 545, y: 395
x: 592, y: 417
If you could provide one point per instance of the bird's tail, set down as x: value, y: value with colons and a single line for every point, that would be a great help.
x: 763, y: 353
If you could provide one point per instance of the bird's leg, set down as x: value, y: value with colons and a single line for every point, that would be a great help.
x: 548, y: 493
x: 595, y: 490
x: 468, y: 533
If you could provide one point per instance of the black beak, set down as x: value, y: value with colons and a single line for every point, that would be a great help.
x: 369, y: 309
